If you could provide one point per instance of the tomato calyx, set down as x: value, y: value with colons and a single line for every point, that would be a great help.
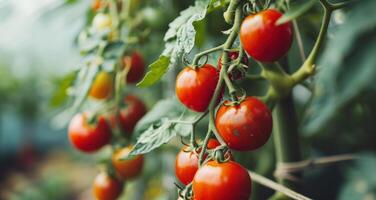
x: 222, y: 154
x: 237, y: 99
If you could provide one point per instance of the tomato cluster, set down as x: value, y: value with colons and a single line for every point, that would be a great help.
x: 243, y: 123
x: 89, y: 132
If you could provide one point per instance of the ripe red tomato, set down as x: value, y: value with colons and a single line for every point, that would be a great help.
x: 235, y: 74
x: 102, y: 86
x: 186, y: 163
x: 129, y: 116
x: 127, y: 169
x: 137, y: 68
x: 222, y: 181
x: 263, y: 39
x: 88, y: 138
x: 106, y: 187
x: 195, y: 87
x: 246, y: 126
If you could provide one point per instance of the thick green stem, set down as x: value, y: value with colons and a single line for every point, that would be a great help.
x: 286, y: 137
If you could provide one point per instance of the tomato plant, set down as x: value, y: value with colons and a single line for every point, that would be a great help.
x: 229, y: 107
x: 106, y: 187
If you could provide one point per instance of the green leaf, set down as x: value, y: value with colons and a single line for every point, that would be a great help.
x: 60, y: 94
x: 157, y: 70
x: 165, y: 108
x: 156, y: 127
x: 179, y: 38
x: 154, y: 137
x: 296, y: 11
x: 347, y: 68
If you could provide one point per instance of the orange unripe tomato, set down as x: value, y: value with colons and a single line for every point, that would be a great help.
x: 102, y: 86
x: 127, y: 169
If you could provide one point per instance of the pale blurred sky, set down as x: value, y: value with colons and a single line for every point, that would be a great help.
x: 38, y: 35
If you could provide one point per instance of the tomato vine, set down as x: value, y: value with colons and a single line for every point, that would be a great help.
x: 241, y: 123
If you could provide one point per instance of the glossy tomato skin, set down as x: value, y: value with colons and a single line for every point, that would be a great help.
x: 186, y: 163
x: 263, y: 39
x: 222, y: 181
x: 129, y: 116
x: 235, y: 74
x: 195, y: 87
x: 137, y: 68
x: 88, y: 138
x: 106, y: 187
x: 102, y: 86
x: 246, y: 126
x: 127, y: 169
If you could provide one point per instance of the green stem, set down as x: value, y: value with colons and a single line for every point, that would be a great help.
x: 307, y: 69
x: 228, y: 44
x: 204, y: 147
x: 299, y: 40
x: 199, y: 55
x: 286, y: 137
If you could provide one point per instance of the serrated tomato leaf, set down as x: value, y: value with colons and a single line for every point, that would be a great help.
x: 156, y: 70
x: 154, y: 137
x: 179, y: 39
x: 165, y: 108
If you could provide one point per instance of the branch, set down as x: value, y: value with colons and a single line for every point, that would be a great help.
x: 277, y: 187
x: 286, y: 170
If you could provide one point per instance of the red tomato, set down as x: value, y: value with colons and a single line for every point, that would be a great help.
x: 186, y: 163
x: 246, y: 126
x: 137, y: 68
x: 129, y: 116
x: 102, y: 86
x: 127, y: 169
x: 88, y: 138
x: 195, y: 87
x: 263, y: 39
x: 106, y: 187
x: 235, y: 74
x: 222, y: 181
